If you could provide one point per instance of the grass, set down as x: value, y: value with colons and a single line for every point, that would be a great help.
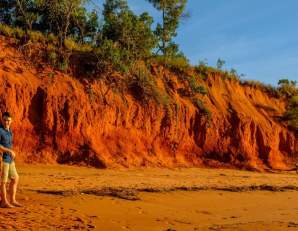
x: 202, y: 108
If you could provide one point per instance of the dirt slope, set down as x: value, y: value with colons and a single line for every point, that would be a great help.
x: 58, y: 118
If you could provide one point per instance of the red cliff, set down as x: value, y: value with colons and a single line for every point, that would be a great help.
x: 58, y: 118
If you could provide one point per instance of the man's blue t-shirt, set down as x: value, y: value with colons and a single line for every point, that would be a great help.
x: 6, y: 141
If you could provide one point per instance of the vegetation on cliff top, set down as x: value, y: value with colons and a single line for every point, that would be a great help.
x: 118, y: 39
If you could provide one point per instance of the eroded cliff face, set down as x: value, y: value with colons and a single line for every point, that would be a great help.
x: 60, y: 119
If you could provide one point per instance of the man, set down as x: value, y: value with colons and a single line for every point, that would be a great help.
x: 9, y: 171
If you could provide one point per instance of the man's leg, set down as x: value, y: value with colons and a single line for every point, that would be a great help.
x: 13, y: 184
x: 4, y: 202
x: 4, y: 178
x: 13, y: 191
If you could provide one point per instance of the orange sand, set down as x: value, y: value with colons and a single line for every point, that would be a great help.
x: 53, y: 200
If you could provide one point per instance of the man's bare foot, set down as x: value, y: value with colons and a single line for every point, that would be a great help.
x: 6, y: 205
x: 16, y: 204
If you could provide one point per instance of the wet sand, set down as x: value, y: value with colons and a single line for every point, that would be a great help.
x: 79, y: 198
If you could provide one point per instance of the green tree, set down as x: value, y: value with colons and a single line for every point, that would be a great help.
x: 85, y: 25
x: 287, y: 87
x: 27, y: 12
x: 7, y: 9
x: 58, y: 16
x: 131, y: 33
x: 220, y: 63
x: 172, y: 11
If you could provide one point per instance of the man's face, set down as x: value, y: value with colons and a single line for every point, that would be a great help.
x: 6, y: 121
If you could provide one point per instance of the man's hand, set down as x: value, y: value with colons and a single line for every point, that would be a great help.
x: 13, y: 155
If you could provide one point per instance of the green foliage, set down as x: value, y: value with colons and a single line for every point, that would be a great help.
x: 200, y: 105
x: 291, y: 116
x: 52, y: 58
x: 51, y: 75
x: 130, y: 32
x: 27, y: 13
x: 204, y: 70
x: 10, y: 31
x: 63, y: 64
x: 143, y: 86
x: 123, y: 39
x: 293, y: 102
x: 6, y: 30
x: 19, y: 33
x: 71, y: 45
x: 6, y: 7
x: 109, y: 54
x: 252, y: 83
x: 52, y: 39
x: 194, y: 87
x: 178, y: 64
x: 220, y: 63
x: 172, y: 11
x: 287, y: 87
x: 36, y: 37
x: 84, y: 25
x: 61, y: 17
x: 273, y: 91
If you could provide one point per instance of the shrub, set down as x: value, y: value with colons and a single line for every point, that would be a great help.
x: 195, y: 88
x: 251, y: 83
x: 6, y: 30
x: 293, y: 102
x: 220, y: 63
x: 204, y: 71
x: 19, y: 33
x: 84, y: 47
x: 143, y: 85
x: 176, y: 63
x: 287, y: 87
x: 63, y: 63
x: 70, y: 44
x: 273, y: 91
x: 192, y: 87
x: 36, y: 36
x: 51, y: 38
x: 291, y: 115
x: 52, y: 57
x: 109, y: 54
x: 51, y: 75
x: 200, y: 105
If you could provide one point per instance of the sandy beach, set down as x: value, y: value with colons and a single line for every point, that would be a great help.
x: 79, y: 198
x: 152, y: 115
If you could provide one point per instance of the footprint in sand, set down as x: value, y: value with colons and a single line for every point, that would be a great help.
x: 91, y: 226
x: 78, y: 219
x: 204, y: 212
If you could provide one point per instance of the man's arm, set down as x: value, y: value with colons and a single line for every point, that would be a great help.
x: 4, y: 149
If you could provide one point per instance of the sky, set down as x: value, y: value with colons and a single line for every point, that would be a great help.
x: 258, y: 38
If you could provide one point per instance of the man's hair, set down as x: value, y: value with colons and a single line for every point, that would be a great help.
x: 6, y: 114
